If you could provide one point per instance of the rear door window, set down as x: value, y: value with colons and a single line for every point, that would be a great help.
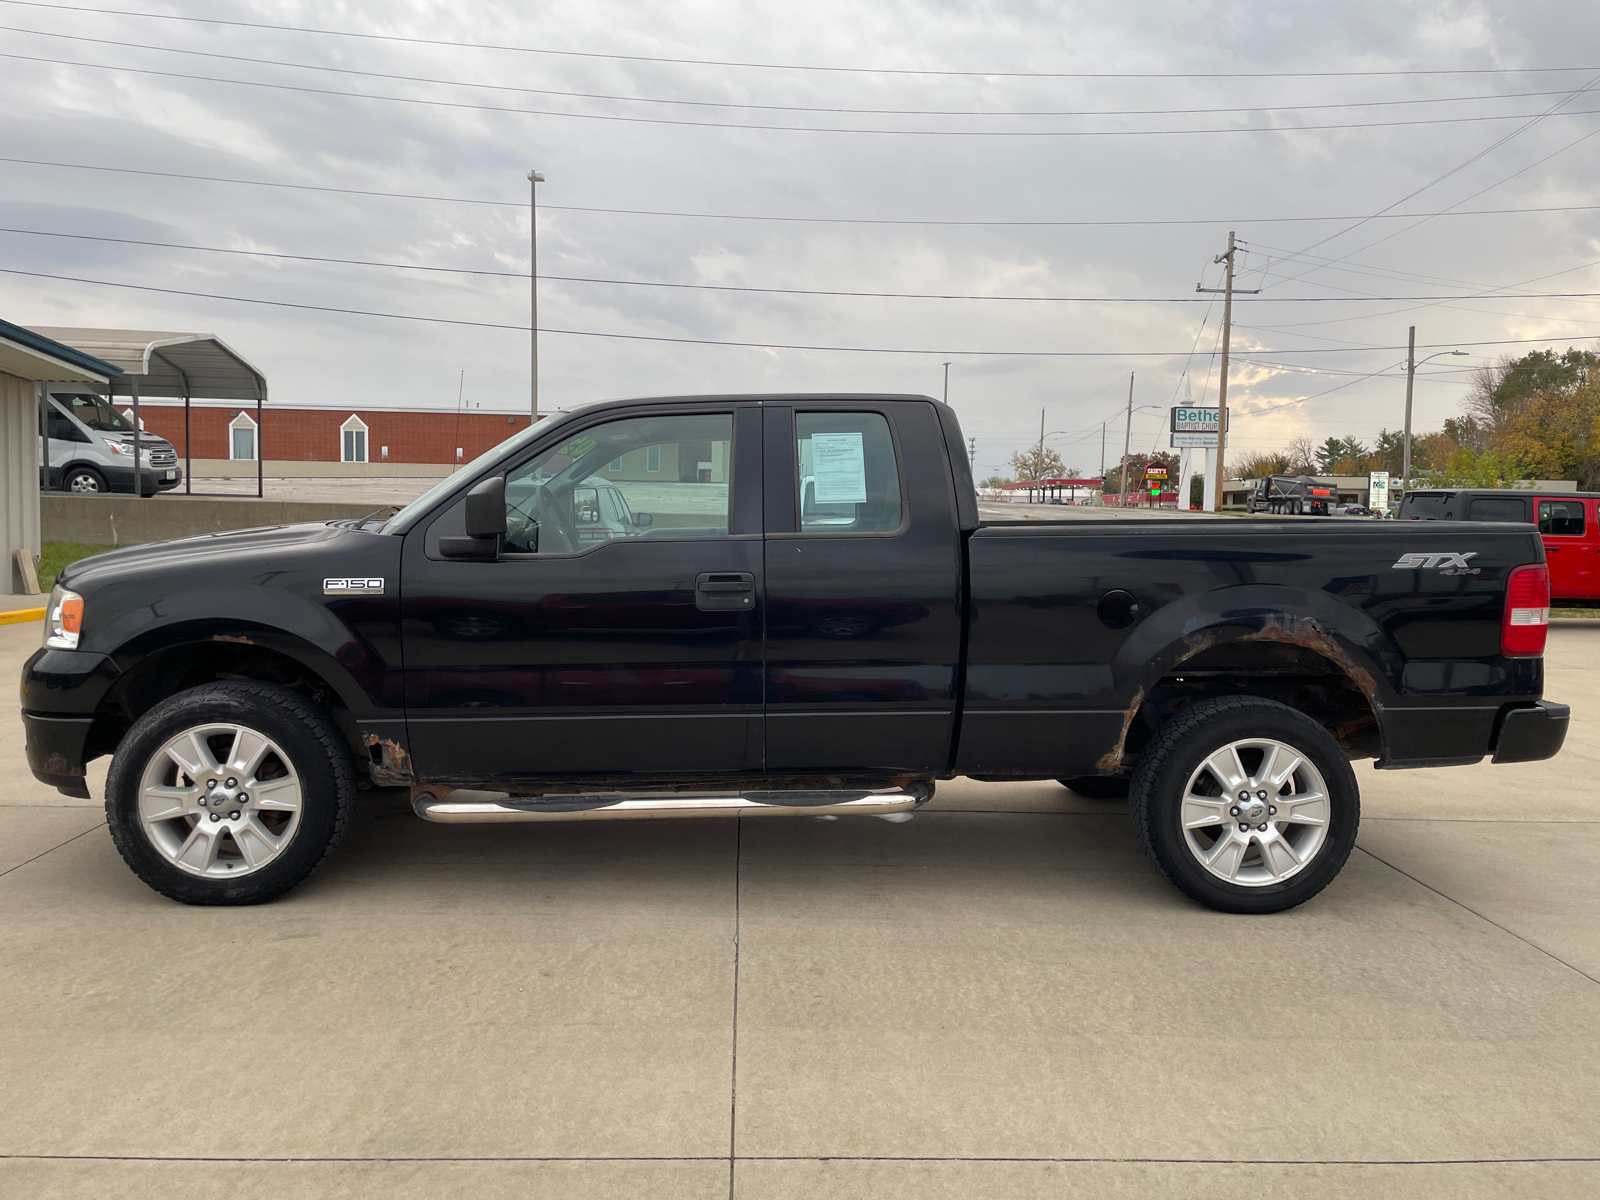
x: 849, y: 481
x: 1497, y: 508
x: 1561, y: 518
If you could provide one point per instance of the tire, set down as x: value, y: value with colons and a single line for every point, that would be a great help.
x: 1098, y: 787
x: 1264, y: 865
x: 86, y: 481
x: 269, y: 793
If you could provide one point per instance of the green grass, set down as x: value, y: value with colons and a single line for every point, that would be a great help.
x: 1592, y: 614
x: 57, y: 555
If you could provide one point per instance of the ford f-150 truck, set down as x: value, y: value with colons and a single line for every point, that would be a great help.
x: 803, y: 613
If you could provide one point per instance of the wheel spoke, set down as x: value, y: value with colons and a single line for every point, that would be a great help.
x: 1277, y: 766
x: 276, y: 795
x: 164, y: 803
x: 1226, y: 856
x: 1200, y: 811
x: 1308, y: 809
x: 249, y: 748
x: 1227, y: 769
x: 199, y: 849
x: 255, y: 843
x: 193, y: 756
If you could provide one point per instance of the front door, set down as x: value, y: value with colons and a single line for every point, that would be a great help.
x: 619, y: 632
x: 863, y: 589
x: 1568, y: 529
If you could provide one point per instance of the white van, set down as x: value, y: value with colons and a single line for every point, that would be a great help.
x: 91, y: 447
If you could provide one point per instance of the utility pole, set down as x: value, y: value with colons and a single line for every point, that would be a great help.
x: 1227, y: 291
x: 1411, y: 375
x: 1102, y: 458
x: 1127, y: 433
x: 1038, y: 459
x: 534, y: 180
x: 947, y: 383
x: 972, y: 453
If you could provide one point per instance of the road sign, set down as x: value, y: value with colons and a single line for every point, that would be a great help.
x: 1378, y: 491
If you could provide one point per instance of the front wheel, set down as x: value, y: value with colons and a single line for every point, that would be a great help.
x: 229, y: 793
x: 86, y: 481
x: 1247, y: 805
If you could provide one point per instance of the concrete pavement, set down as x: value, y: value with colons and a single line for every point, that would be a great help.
x: 998, y: 998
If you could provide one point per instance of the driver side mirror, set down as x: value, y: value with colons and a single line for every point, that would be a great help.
x: 485, y: 520
x: 643, y: 520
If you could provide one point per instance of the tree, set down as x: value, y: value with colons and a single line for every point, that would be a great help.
x: 1301, y: 457
x: 1543, y: 371
x: 1340, y: 456
x: 1258, y: 464
x: 1389, y: 452
x: 995, y: 481
x: 1133, y: 467
x: 1197, y: 490
x: 1034, y: 463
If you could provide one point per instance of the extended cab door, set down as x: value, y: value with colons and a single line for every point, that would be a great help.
x: 863, y: 574
x: 608, y: 639
x: 1567, y: 525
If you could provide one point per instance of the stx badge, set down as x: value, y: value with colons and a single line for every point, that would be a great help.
x: 1452, y: 564
x: 345, y: 587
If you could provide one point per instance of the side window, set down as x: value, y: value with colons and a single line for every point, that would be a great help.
x: 1561, y: 518
x: 663, y: 477
x: 62, y: 429
x: 1493, y: 508
x: 846, y: 473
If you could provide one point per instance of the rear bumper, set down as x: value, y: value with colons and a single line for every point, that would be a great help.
x: 1533, y: 733
x: 55, y: 751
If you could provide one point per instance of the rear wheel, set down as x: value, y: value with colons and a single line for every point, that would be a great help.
x: 1247, y: 805
x: 229, y: 793
x: 85, y: 481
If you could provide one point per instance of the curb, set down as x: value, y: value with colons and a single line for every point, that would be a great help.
x: 18, y: 616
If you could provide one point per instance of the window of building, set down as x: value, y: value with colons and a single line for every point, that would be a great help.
x: 353, y: 440
x: 652, y: 458
x: 242, y: 438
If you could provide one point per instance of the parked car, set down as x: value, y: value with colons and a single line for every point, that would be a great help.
x: 1566, y: 520
x: 1352, y: 510
x: 780, y: 659
x: 90, y: 450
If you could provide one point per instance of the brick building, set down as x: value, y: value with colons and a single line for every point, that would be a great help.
x: 330, y: 434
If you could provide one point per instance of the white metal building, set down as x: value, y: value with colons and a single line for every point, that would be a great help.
x: 26, y: 360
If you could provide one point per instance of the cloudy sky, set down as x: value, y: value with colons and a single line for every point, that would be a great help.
x: 1044, y: 164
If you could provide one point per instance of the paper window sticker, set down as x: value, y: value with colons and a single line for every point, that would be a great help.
x: 839, y: 467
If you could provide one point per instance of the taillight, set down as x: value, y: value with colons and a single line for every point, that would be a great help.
x: 1527, y: 619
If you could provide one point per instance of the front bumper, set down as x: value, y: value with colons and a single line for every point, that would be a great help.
x: 55, y: 751
x: 1531, y: 734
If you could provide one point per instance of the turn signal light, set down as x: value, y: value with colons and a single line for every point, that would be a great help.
x: 63, y: 619
x: 1527, y: 617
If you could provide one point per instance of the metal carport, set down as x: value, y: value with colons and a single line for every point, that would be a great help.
x: 172, y: 365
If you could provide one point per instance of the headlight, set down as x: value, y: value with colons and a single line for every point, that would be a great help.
x: 63, y: 620
x: 120, y: 448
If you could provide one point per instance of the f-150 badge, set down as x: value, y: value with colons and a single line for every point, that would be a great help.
x: 363, y: 587
x: 1450, y: 564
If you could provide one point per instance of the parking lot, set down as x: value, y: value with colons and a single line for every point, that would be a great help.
x: 997, y: 998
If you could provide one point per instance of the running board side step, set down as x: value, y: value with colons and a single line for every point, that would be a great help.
x: 497, y: 808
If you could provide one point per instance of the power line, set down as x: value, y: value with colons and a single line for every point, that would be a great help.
x: 774, y: 291
x: 800, y: 108
x: 701, y: 62
x: 639, y: 337
x: 647, y: 212
x: 745, y: 125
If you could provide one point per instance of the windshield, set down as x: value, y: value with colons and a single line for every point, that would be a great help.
x: 94, y: 411
x: 407, y: 516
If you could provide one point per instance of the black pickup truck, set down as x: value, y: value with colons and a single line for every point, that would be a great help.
x: 759, y: 605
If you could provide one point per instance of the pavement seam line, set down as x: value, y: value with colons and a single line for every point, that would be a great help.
x: 53, y: 849
x: 1489, y: 920
x: 716, y: 1158
x: 733, y: 1069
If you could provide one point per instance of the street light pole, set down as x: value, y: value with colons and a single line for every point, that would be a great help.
x: 947, y: 383
x: 1411, y: 375
x: 534, y: 180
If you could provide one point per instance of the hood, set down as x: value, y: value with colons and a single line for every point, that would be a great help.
x: 259, y: 545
